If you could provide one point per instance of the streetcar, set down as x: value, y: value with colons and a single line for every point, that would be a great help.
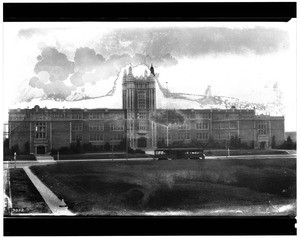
x: 178, y: 153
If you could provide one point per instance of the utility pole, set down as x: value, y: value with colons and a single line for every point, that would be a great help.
x: 167, y: 117
x: 126, y: 144
x: 15, y: 159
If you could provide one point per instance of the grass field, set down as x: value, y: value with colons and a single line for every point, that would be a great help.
x: 197, y: 187
x: 25, y: 197
x: 243, y: 152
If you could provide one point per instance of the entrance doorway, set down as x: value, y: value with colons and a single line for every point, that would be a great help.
x: 41, y: 150
x: 262, y: 145
x: 142, y: 142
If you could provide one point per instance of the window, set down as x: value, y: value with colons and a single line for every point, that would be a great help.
x: 224, y: 125
x: 219, y: 116
x: 57, y: 115
x: 96, y: 115
x: 262, y: 127
x: 202, y: 126
x: 77, y: 127
x: 164, y: 136
x: 96, y: 127
x: 117, y: 127
x: 142, y: 115
x: 142, y: 125
x: 202, y: 115
x: 202, y: 136
x: 184, y: 127
x: 233, y: 115
x: 216, y: 125
x: 141, y: 99
x: 96, y: 137
x: 40, y: 130
x: 184, y: 136
x: 77, y: 115
x: 233, y: 125
x: 76, y: 137
x: 224, y: 136
x: 116, y: 137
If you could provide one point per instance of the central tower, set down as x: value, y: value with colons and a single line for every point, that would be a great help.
x: 139, y: 103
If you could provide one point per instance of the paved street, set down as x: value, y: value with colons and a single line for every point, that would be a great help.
x: 22, y: 164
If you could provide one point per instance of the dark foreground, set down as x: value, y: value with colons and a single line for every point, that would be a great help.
x: 178, y: 187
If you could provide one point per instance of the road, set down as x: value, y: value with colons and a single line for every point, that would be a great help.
x: 22, y: 164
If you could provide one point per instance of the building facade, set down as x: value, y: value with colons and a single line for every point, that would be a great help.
x: 42, y: 129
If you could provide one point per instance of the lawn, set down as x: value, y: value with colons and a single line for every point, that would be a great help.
x: 243, y: 152
x: 188, y: 187
x: 25, y: 197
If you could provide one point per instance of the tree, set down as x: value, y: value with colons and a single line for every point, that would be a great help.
x: 27, y: 148
x: 161, y: 143
x: 122, y: 145
x: 107, y: 146
x: 273, y: 142
x: 289, y: 144
x: 6, y: 147
x: 232, y: 143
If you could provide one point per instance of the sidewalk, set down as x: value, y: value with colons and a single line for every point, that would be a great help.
x: 50, y: 198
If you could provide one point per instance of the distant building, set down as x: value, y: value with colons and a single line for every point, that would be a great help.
x: 46, y: 129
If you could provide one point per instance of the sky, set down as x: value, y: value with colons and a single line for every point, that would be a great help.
x: 68, y: 63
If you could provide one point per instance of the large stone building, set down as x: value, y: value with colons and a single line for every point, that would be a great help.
x: 43, y: 129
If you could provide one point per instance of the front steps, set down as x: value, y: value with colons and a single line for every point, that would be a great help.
x: 44, y: 158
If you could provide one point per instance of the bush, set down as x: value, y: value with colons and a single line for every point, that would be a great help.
x: 76, y: 147
x: 107, y: 146
x: 288, y: 144
x: 130, y: 150
x: 88, y: 147
x: 139, y: 151
x: 26, y: 148
x: 64, y: 150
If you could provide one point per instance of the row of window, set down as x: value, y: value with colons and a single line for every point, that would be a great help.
x: 141, y: 99
x: 97, y: 127
x: 224, y: 135
x: 94, y: 115
x: 262, y: 127
x: 97, y: 137
x: 186, y: 136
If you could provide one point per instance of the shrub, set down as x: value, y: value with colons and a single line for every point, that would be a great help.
x: 64, y: 150
x: 130, y: 150
x: 88, y: 147
x: 107, y: 146
x: 26, y: 148
x: 288, y: 144
x: 139, y: 151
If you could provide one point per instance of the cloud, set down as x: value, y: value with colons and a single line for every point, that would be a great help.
x: 86, y: 59
x: 55, y: 63
x: 57, y: 90
x: 195, y: 41
x: 29, y: 32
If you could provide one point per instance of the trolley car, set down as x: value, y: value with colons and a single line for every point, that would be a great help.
x: 178, y: 153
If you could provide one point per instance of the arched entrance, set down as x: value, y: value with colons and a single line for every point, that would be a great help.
x: 40, y: 150
x: 262, y: 145
x: 142, y: 142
